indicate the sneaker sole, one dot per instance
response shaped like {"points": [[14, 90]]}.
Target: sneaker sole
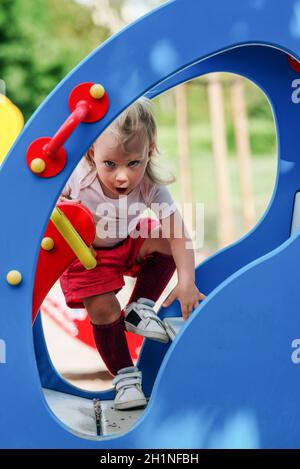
{"points": [[130, 405], [149, 335]]}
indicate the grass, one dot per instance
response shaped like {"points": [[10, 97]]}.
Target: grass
{"points": [[203, 181]]}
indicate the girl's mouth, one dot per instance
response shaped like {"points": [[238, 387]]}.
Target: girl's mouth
{"points": [[121, 190]]}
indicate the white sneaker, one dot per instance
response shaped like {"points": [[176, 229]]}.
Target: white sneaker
{"points": [[128, 384], [142, 320]]}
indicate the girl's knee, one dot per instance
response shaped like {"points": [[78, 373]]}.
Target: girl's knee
{"points": [[103, 309], [150, 245]]}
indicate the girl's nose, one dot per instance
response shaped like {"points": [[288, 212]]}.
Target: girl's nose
{"points": [[121, 178]]}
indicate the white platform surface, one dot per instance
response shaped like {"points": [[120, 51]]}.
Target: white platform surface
{"points": [[78, 414]]}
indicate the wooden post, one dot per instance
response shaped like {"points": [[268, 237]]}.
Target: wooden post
{"points": [[216, 106], [239, 111], [183, 142], [184, 150]]}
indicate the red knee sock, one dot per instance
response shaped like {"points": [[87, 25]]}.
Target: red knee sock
{"points": [[112, 345], [153, 277]]}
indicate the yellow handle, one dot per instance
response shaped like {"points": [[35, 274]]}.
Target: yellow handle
{"points": [[73, 239]]}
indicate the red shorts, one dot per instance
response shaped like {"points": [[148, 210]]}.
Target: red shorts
{"points": [[112, 264]]}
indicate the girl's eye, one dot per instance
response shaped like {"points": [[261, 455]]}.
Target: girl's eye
{"points": [[133, 163], [109, 164]]}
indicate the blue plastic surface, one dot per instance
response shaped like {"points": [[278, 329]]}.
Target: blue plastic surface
{"points": [[240, 385]]}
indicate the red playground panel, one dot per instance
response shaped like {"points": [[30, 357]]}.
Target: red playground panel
{"points": [[51, 264]]}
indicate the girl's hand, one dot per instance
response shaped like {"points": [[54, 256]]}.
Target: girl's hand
{"points": [[188, 296], [66, 199]]}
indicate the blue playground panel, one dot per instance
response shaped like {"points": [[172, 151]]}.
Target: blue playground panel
{"points": [[240, 386]]}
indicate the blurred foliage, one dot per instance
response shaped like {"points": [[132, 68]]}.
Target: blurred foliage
{"points": [[260, 119], [41, 41]]}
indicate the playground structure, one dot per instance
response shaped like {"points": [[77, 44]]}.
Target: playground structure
{"points": [[236, 351], [11, 123]]}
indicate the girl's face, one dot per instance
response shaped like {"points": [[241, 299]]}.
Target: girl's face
{"points": [[120, 170]]}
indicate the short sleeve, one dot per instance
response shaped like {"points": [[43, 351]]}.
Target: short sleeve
{"points": [[66, 192], [72, 186], [161, 201]]}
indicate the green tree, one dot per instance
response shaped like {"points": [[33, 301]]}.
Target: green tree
{"points": [[40, 42]]}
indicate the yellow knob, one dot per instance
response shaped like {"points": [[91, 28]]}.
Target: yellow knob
{"points": [[14, 277], [47, 243], [97, 91], [37, 165]]}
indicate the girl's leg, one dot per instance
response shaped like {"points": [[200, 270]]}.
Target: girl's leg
{"points": [[157, 268], [109, 331]]}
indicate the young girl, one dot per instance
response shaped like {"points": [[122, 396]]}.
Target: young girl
{"points": [[116, 177]]}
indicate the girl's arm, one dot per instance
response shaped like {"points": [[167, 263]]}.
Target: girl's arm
{"points": [[181, 245]]}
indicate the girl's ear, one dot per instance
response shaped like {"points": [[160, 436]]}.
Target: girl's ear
{"points": [[91, 151], [90, 156], [151, 150]]}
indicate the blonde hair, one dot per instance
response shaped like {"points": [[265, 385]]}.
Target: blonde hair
{"points": [[138, 119]]}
